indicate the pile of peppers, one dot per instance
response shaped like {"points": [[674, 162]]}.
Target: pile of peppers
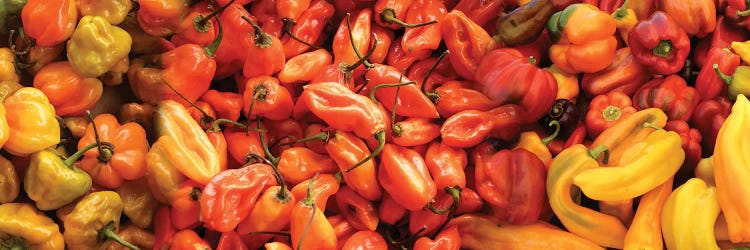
{"points": [[374, 124]]}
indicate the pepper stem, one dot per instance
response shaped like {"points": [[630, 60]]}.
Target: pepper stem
{"points": [[323, 136], [432, 95], [73, 158], [380, 136], [611, 113], [743, 12], [216, 128], [28, 42], [259, 93], [725, 78], [598, 150], [532, 60], [548, 139], [389, 16], [395, 127], [622, 12], [261, 135], [14, 243], [108, 233], [206, 119], [455, 193], [105, 151], [262, 39], [287, 30], [211, 48], [651, 125], [663, 49], [200, 22], [385, 85]]}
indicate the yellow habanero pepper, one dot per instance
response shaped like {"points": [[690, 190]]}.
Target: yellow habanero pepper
{"points": [[54, 183], [92, 221], [603, 229], [689, 216], [625, 20], [705, 170], [31, 122], [183, 144], [114, 11], [23, 227], [137, 236], [732, 170], [96, 46], [7, 88], [9, 183], [530, 141], [139, 204], [8, 66]]}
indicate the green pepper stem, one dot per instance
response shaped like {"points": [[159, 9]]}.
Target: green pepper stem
{"points": [[532, 60], [622, 12], [105, 152], [663, 49], [211, 48], [27, 41], [201, 23], [611, 113], [598, 150], [215, 126], [262, 39], [432, 95], [389, 16], [455, 193], [73, 158], [323, 136], [312, 215], [385, 85], [108, 233], [259, 93], [395, 127], [725, 78], [206, 119], [380, 136], [743, 12], [550, 138], [651, 125], [287, 30], [269, 155], [309, 199]]}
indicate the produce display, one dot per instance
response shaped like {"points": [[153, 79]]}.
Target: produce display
{"points": [[374, 124]]}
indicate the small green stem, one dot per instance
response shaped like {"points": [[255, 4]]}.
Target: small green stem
{"points": [[743, 12], [651, 125], [73, 158], [663, 49], [725, 78], [211, 48], [287, 30], [389, 16], [380, 136], [206, 117], [611, 113], [108, 233], [622, 11], [215, 126], [386, 85], [595, 152], [429, 73], [323, 136], [269, 155], [532, 60], [550, 138], [262, 39]]}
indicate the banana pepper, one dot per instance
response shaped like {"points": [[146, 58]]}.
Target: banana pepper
{"points": [[8, 64], [92, 221], [693, 203], [24, 227], [31, 121], [732, 170], [9, 182], [96, 46], [625, 20], [54, 183]]}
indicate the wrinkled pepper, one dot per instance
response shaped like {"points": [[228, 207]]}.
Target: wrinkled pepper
{"points": [[659, 44], [670, 94], [448, 239], [114, 11], [70, 92], [405, 176], [271, 212], [31, 122], [62, 181], [457, 96], [471, 127], [606, 110], [92, 221], [584, 38], [49, 22], [467, 42], [423, 36], [308, 29], [409, 102], [524, 24], [698, 202], [22, 227], [8, 66], [96, 46], [9, 182]]}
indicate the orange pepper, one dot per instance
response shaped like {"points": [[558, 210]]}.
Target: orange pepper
{"points": [[297, 164], [31, 122], [49, 22], [585, 39], [68, 91], [645, 231]]}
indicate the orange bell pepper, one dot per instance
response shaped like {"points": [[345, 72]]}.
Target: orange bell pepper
{"points": [[67, 90], [585, 39]]}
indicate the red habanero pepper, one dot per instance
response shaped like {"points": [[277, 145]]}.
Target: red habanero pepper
{"points": [[671, 94], [198, 27], [659, 44], [188, 239], [185, 208], [265, 56], [469, 128], [446, 165], [308, 28], [343, 229], [265, 97], [364, 240], [481, 12], [432, 72], [448, 239], [708, 117], [49, 22], [415, 132], [428, 221], [159, 17], [231, 241], [518, 81], [202, 113], [467, 41], [290, 10], [304, 67], [605, 110], [696, 18], [352, 38], [404, 175], [471, 202], [227, 105], [384, 38], [390, 13], [231, 53], [297, 164], [314, 129], [347, 150], [390, 212], [324, 186], [163, 229], [427, 37], [457, 96], [709, 84], [241, 143], [361, 213], [691, 144], [397, 57], [309, 226], [625, 74], [410, 101], [228, 197]]}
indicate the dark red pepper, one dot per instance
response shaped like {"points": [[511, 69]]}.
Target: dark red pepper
{"points": [[660, 44]]}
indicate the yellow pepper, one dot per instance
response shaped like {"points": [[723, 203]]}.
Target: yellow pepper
{"points": [[625, 20], [96, 46], [705, 170], [31, 122], [732, 170], [742, 49], [567, 84], [139, 204], [603, 229], [7, 88], [689, 215], [8, 66], [645, 231], [23, 227], [9, 183], [530, 141], [645, 166], [114, 11], [738, 83], [54, 183], [113, 77], [92, 221]]}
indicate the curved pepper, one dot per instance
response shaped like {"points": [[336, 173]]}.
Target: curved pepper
{"points": [[424, 34], [21, 225], [693, 202], [297, 164], [139, 205], [731, 168], [446, 165], [70, 92], [410, 101], [49, 22], [585, 39], [404, 175], [738, 83], [625, 20], [645, 230], [96, 46], [309, 28], [93, 220], [346, 150], [711, 82], [524, 24], [31, 122], [467, 41], [309, 226], [52, 182], [659, 44], [601, 228], [670, 94], [305, 67]]}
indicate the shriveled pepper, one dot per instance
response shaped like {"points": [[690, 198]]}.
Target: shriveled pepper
{"points": [[659, 44], [696, 18], [22, 226], [96, 46], [737, 83], [605, 110], [584, 38], [31, 122], [698, 202], [645, 230], [49, 22], [70, 92], [92, 221], [524, 24], [404, 175], [625, 74], [467, 41], [9, 182], [710, 83], [670, 94]]}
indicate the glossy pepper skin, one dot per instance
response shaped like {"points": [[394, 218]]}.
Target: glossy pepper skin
{"points": [[696, 18], [404, 175], [708, 117], [691, 144], [161, 18], [625, 74], [137, 236], [625, 19], [8, 66], [267, 98], [35, 230], [645, 230], [446, 164], [516, 81], [697, 201], [467, 41], [271, 212], [738, 83], [659, 44], [709, 83], [309, 28], [323, 187], [448, 239], [361, 213], [423, 38], [670, 94], [410, 101], [584, 38], [96, 46], [346, 150], [605, 110], [49, 22], [469, 128], [308, 221], [70, 92], [63, 182], [9, 182], [31, 122], [92, 220], [730, 170]]}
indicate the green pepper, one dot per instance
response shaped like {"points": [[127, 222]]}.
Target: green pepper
{"points": [[524, 24], [9, 8], [738, 83], [96, 46], [92, 221], [54, 183]]}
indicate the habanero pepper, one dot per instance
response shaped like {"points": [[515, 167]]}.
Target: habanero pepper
{"points": [[69, 92], [446, 165], [297, 164], [114, 11], [696, 18], [708, 117], [139, 205], [49, 22], [480, 12], [469, 128], [428, 221], [161, 18], [362, 214], [383, 40], [8, 66], [404, 175], [271, 212], [231, 240], [265, 97], [197, 27], [10, 184], [467, 41], [96, 46], [347, 150], [365, 239], [584, 38], [23, 226], [407, 100], [352, 38], [188, 239], [92, 221], [63, 182], [304, 67], [227, 105], [447, 239], [308, 29], [607, 109], [670, 94], [625, 74], [397, 57], [323, 187], [710, 83], [433, 71], [241, 143], [163, 229], [659, 44], [265, 56], [457, 96], [231, 53], [309, 226], [426, 37], [185, 206], [31, 122], [390, 212]]}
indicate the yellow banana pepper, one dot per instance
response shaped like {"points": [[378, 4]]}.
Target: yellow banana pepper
{"points": [[8, 66], [625, 20], [645, 231], [23, 227], [603, 229], [31, 122], [732, 170], [114, 11], [9, 182], [646, 165], [705, 170], [688, 218], [96, 46], [92, 221]]}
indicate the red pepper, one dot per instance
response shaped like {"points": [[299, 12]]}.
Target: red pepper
{"points": [[726, 33], [446, 165], [390, 211], [361, 213], [404, 175], [265, 97], [428, 221], [265, 56], [383, 44], [308, 28], [364, 240], [606, 110], [230, 56], [659, 44], [482, 12], [467, 42], [349, 41], [226, 104], [202, 113], [241, 143], [324, 186], [297, 164], [342, 228], [284, 132], [231, 241], [305, 67], [625, 74], [309, 226], [457, 96], [708, 117], [228, 197], [671, 94], [426, 37], [185, 212], [448, 239], [49, 22], [415, 132], [198, 27], [291, 9], [188, 239], [471, 202], [697, 17], [398, 58], [469, 128], [691, 144], [163, 229], [708, 83], [507, 76], [409, 102], [436, 70]]}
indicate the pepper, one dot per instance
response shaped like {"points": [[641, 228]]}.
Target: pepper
{"points": [[31, 122], [188, 239], [567, 84], [625, 20], [226, 104], [390, 212], [429, 220], [23, 226], [730, 166], [691, 144], [324, 186], [163, 230], [469, 128], [241, 143], [231, 240], [198, 27], [404, 175], [9, 181], [366, 239], [309, 226], [517, 81], [139, 205], [347, 150], [603, 229], [352, 39], [137, 236], [480, 12], [705, 171], [480, 232], [425, 35], [8, 66], [625, 74], [524, 24], [398, 58], [114, 11], [530, 141], [456, 96], [92, 221], [96, 46], [161, 18], [708, 117], [710, 83], [271, 212], [49, 22], [659, 44], [607, 109], [697, 201], [467, 41], [304, 67], [231, 53], [696, 18], [447, 239], [297, 164], [182, 144], [361, 213], [645, 230], [407, 100], [563, 112], [586, 45], [308, 29], [737, 82], [264, 96], [67, 90], [63, 182], [446, 165], [277, 246], [228, 198], [742, 49], [670, 94], [185, 206], [139, 113], [434, 72], [264, 57]]}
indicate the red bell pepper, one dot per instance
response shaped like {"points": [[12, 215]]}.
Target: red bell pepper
{"points": [[625, 74], [659, 44], [671, 94], [708, 117], [691, 144], [709, 84], [606, 110]]}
